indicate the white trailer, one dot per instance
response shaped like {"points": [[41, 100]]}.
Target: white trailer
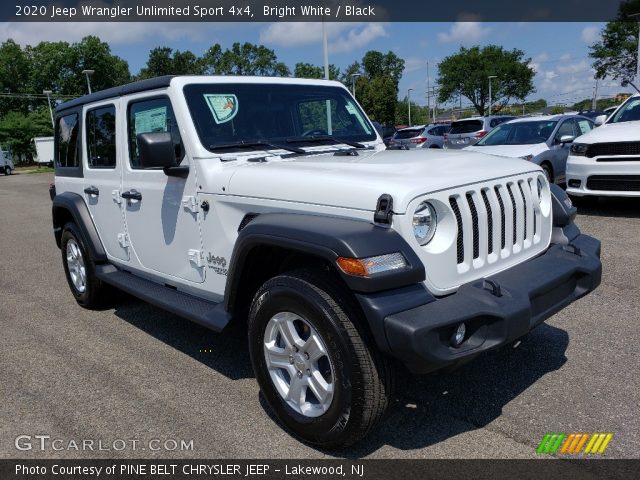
{"points": [[44, 150]]}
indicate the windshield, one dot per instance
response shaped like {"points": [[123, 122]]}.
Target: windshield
{"points": [[629, 112], [226, 114], [519, 133]]}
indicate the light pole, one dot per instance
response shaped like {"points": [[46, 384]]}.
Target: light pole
{"points": [[47, 93], [354, 77], [409, 104], [88, 74], [490, 96]]}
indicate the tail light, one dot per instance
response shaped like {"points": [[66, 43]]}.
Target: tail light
{"points": [[481, 133], [418, 140]]}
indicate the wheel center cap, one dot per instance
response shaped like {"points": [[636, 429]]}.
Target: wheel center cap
{"points": [[299, 363]]}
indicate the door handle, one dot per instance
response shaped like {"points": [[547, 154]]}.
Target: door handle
{"points": [[132, 195], [92, 191]]}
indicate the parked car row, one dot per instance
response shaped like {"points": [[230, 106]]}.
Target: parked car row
{"points": [[592, 162]]}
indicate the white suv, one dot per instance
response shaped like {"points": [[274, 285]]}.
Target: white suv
{"points": [[272, 202], [606, 161]]}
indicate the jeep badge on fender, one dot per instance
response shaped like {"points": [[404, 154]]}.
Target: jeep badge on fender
{"points": [[272, 202]]}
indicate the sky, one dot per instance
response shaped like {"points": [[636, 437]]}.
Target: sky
{"points": [[558, 51]]}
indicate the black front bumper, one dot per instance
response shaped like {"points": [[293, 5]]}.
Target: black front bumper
{"points": [[496, 310]]}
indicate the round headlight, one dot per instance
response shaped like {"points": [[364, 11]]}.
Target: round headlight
{"points": [[424, 223]]}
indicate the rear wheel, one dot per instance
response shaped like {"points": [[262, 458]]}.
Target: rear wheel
{"points": [[7, 170], [316, 369], [79, 269]]}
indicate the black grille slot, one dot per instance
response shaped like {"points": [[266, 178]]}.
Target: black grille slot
{"points": [[515, 218], [616, 148], [618, 159], [502, 218], [524, 199], [474, 222], [629, 183], [456, 211], [487, 205]]}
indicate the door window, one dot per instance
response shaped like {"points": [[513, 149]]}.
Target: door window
{"points": [[153, 115], [565, 129], [101, 137]]}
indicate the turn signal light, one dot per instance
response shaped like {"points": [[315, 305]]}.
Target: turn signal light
{"points": [[364, 267]]}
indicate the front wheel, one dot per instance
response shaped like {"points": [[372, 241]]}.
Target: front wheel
{"points": [[7, 170], [316, 369]]}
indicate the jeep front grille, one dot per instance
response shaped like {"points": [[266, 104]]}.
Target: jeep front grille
{"points": [[505, 215]]}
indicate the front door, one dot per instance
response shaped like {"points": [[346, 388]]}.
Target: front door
{"points": [[160, 211], [104, 157]]}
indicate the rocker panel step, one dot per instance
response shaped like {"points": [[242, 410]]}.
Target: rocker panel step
{"points": [[208, 314]]}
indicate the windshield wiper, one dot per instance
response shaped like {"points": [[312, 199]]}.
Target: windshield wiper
{"points": [[324, 138], [255, 143]]}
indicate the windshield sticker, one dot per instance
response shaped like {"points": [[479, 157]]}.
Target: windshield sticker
{"points": [[223, 106], [154, 120], [584, 126]]}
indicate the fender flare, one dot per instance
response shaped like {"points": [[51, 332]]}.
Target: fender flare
{"points": [[327, 238], [75, 205]]}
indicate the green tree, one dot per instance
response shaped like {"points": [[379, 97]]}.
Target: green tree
{"points": [[378, 98], [378, 64], [616, 53], [467, 72], [17, 131], [308, 70], [243, 59], [166, 61], [58, 66], [14, 76]]}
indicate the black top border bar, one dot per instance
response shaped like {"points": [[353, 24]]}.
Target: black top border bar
{"points": [[311, 10]]}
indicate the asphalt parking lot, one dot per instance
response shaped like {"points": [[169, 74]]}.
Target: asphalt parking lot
{"points": [[132, 371]]}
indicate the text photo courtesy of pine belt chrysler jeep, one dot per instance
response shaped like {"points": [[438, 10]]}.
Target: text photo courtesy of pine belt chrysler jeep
{"points": [[273, 202]]}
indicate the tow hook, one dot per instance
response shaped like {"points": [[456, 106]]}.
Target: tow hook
{"points": [[492, 287]]}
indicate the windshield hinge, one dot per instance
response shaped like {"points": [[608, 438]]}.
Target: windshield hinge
{"points": [[384, 209]]}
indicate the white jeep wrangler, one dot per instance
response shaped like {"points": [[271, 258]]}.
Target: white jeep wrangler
{"points": [[272, 201]]}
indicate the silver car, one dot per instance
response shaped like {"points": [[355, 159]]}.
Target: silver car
{"points": [[544, 140], [469, 130], [420, 136]]}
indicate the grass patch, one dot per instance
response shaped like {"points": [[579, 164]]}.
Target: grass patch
{"points": [[37, 170]]}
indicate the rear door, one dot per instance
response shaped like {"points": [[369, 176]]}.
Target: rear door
{"points": [[103, 158]]}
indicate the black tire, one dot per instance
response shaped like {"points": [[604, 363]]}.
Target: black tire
{"points": [[95, 291], [547, 172], [7, 170], [363, 382]]}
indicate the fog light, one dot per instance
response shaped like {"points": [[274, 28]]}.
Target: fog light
{"points": [[574, 183], [458, 336]]}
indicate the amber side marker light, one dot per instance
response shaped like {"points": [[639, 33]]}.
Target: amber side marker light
{"points": [[365, 267]]}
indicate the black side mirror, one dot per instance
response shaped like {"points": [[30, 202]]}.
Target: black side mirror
{"points": [[156, 150]]}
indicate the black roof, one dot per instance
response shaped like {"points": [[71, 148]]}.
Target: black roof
{"points": [[134, 87]]}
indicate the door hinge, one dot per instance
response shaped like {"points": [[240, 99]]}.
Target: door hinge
{"points": [[116, 196], [190, 203], [197, 258], [123, 239]]}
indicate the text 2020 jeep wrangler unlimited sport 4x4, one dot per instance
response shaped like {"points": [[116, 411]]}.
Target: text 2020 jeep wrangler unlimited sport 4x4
{"points": [[273, 201]]}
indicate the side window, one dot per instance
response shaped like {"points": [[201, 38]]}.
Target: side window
{"points": [[101, 137], [67, 151], [565, 129], [153, 115], [584, 126]]}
